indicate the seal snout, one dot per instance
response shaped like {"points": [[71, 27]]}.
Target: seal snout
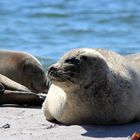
{"points": [[52, 69]]}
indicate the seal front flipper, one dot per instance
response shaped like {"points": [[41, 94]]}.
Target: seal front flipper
{"points": [[21, 98], [15, 93], [12, 85]]}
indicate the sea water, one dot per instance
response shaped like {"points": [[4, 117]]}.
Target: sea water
{"points": [[49, 28]]}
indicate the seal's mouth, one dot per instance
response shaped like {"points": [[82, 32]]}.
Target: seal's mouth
{"points": [[59, 75], [56, 76]]}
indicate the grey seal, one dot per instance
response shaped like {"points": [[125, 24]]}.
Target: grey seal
{"points": [[23, 68], [93, 86], [21, 76]]}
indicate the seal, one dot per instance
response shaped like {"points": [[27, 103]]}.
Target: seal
{"points": [[23, 68], [93, 86], [12, 92], [21, 74]]}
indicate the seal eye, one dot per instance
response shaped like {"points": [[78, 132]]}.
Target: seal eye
{"points": [[72, 60], [83, 57]]}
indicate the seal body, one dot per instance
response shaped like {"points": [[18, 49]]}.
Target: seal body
{"points": [[93, 86], [24, 69], [21, 78]]}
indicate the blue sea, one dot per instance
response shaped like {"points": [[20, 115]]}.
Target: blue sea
{"points": [[49, 28]]}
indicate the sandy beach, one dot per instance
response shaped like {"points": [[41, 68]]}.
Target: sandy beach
{"points": [[19, 123]]}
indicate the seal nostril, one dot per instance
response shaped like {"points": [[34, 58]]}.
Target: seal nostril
{"points": [[51, 69]]}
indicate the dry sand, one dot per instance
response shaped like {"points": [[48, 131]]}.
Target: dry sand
{"points": [[18, 123]]}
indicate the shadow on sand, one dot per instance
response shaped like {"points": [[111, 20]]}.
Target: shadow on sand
{"points": [[111, 130]]}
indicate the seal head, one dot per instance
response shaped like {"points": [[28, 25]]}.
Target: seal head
{"points": [[23, 68], [78, 68], [33, 75]]}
